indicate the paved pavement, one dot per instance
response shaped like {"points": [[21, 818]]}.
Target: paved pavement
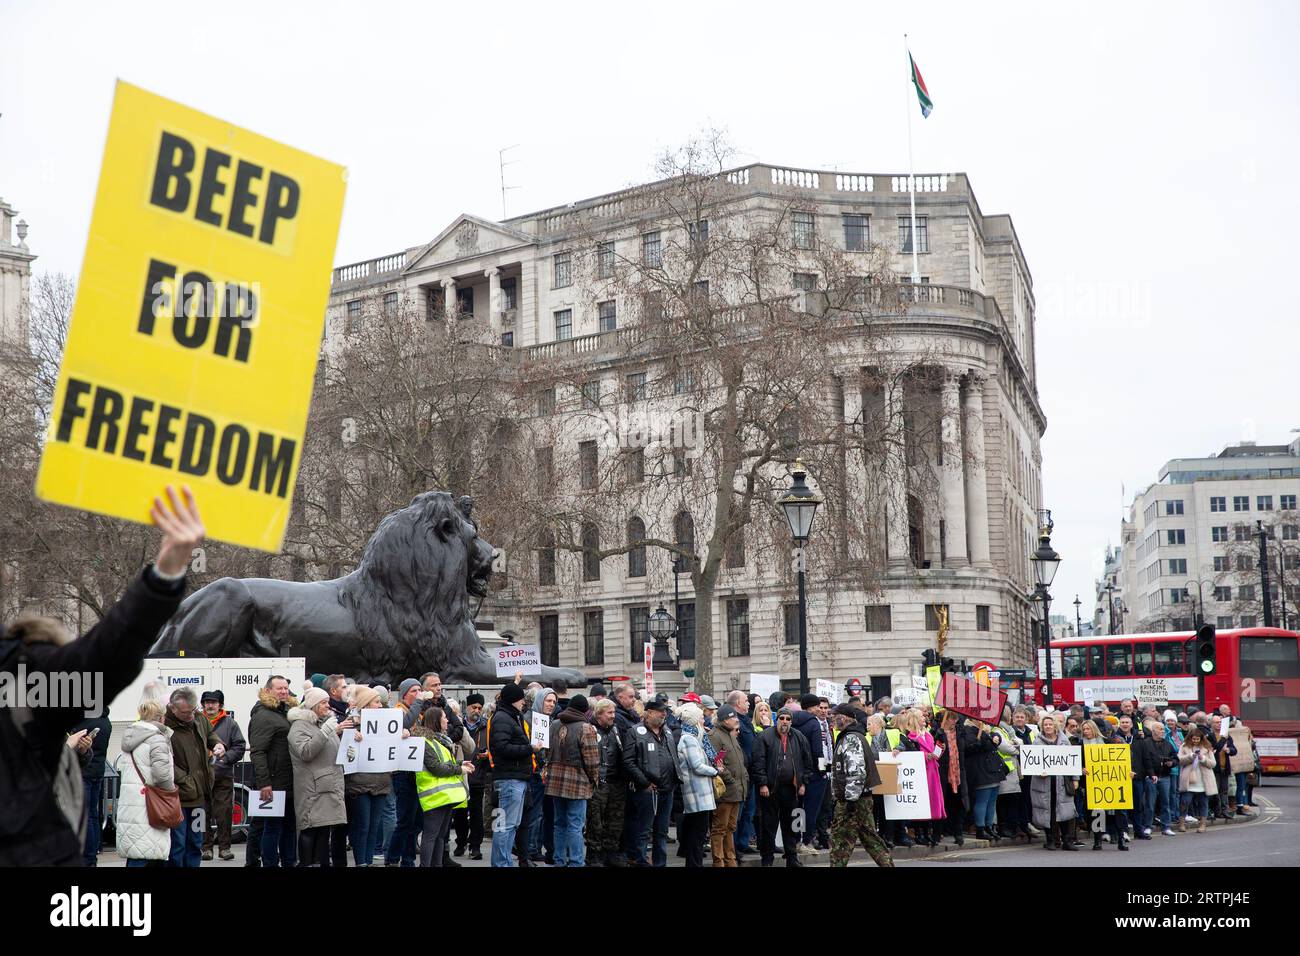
{"points": [[1271, 838]]}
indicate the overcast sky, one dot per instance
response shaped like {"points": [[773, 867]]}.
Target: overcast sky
{"points": [[1144, 151]]}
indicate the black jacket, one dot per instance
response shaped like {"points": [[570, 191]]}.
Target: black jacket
{"points": [[1154, 758], [92, 768], [808, 725], [482, 775], [510, 755], [33, 831], [767, 756], [983, 764], [268, 742], [613, 768], [651, 758]]}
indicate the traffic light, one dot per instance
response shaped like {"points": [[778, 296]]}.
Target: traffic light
{"points": [[946, 665], [1205, 663], [930, 656]]}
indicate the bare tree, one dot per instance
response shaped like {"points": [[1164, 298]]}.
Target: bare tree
{"points": [[1240, 581]]}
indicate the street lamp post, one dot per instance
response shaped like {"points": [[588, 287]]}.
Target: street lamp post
{"points": [[1110, 604], [800, 506], [1078, 621], [1046, 561], [1263, 535], [662, 626], [1198, 611]]}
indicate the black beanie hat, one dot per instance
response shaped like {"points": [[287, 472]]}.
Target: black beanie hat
{"points": [[511, 692], [473, 699], [578, 704], [809, 701], [216, 695]]}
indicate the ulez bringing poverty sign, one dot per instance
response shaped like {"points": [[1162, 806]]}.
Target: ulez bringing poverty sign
{"points": [[197, 325]]}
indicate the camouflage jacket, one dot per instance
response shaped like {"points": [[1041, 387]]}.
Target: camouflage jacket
{"points": [[854, 769]]}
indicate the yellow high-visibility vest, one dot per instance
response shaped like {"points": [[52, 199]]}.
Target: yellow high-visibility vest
{"points": [[437, 792]]}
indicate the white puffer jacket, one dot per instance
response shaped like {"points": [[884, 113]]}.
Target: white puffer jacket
{"points": [[151, 746]]}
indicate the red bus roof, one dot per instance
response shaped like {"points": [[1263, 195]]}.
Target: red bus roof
{"points": [[1172, 636]]}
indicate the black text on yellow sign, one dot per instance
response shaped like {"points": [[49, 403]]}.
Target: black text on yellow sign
{"points": [[197, 324], [1110, 776]]}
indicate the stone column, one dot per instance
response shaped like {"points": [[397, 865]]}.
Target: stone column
{"points": [[951, 476], [494, 299], [448, 299], [900, 558], [977, 492]]}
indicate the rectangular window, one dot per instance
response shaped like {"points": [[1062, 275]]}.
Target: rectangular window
{"points": [[1241, 533], [879, 617], [700, 293], [1263, 502], [805, 230], [636, 390], [593, 636], [546, 402], [608, 313], [1095, 657], [354, 317], [1223, 622], [1072, 661], [545, 468], [1119, 660], [905, 234], [636, 470], [932, 616], [684, 380], [509, 294], [390, 305], [738, 627], [1177, 595], [1241, 502], [604, 260], [1219, 534], [638, 623], [1223, 593], [683, 464], [981, 617], [857, 233], [1248, 620], [805, 282], [561, 270], [508, 340], [699, 232], [1142, 659], [1219, 504], [464, 302], [1290, 532], [1288, 503], [546, 564], [1244, 563], [548, 637], [1176, 536], [1246, 592], [587, 463], [1177, 566], [590, 553], [652, 254], [686, 630], [735, 555], [1169, 659], [563, 325], [791, 612], [1173, 507], [590, 392]]}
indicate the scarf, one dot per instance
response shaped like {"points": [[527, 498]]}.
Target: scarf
{"points": [[954, 761]]}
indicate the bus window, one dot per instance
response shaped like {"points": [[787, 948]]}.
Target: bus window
{"points": [[1095, 655], [1119, 662], [1142, 660], [1269, 657], [1169, 659], [1074, 662]]}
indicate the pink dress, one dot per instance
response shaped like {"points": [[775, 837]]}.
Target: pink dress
{"points": [[926, 743]]}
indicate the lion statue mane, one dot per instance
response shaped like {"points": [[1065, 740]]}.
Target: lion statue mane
{"points": [[405, 610]]}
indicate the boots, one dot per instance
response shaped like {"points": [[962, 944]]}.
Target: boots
{"points": [[1232, 806], [1096, 841], [1201, 827]]}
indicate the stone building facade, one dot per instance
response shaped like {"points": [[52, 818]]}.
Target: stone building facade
{"points": [[974, 313], [15, 275]]}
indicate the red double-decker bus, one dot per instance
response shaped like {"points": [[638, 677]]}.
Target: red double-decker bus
{"points": [[1257, 675]]}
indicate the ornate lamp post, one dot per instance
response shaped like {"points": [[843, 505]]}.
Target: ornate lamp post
{"points": [[800, 506], [662, 626], [1045, 561]]}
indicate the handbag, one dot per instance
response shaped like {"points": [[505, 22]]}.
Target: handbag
{"points": [[162, 807]]}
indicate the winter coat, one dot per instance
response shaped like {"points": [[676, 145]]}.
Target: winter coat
{"points": [[1205, 766], [1040, 795], [268, 742], [925, 744], [733, 770], [854, 766], [767, 757], [92, 767], [318, 784], [963, 737], [808, 725], [696, 774], [1154, 758], [41, 789], [983, 764], [149, 744], [232, 738], [511, 755], [1011, 782], [574, 770], [482, 775], [651, 758], [192, 745], [746, 738], [612, 769]]}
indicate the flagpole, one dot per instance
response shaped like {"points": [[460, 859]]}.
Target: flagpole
{"points": [[911, 177]]}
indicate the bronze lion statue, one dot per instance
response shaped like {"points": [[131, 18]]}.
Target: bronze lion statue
{"points": [[404, 611]]}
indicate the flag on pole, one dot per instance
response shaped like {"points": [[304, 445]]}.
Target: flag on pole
{"points": [[922, 94]]}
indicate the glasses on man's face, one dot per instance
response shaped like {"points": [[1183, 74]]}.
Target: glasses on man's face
{"points": [[783, 720]]}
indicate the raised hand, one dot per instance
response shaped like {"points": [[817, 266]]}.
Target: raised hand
{"points": [[182, 530]]}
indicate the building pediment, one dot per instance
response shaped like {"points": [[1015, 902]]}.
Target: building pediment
{"points": [[467, 236]]}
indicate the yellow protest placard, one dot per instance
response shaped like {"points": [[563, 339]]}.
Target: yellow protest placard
{"points": [[1110, 777], [933, 678], [197, 324]]}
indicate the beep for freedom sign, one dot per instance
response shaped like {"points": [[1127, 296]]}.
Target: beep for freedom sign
{"points": [[197, 324]]}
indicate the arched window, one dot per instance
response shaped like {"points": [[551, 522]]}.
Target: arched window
{"points": [[684, 535], [636, 552], [590, 552]]}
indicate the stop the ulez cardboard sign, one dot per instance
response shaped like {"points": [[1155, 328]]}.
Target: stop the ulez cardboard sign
{"points": [[197, 325]]}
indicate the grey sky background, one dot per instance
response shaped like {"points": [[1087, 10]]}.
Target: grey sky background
{"points": [[1143, 150]]}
